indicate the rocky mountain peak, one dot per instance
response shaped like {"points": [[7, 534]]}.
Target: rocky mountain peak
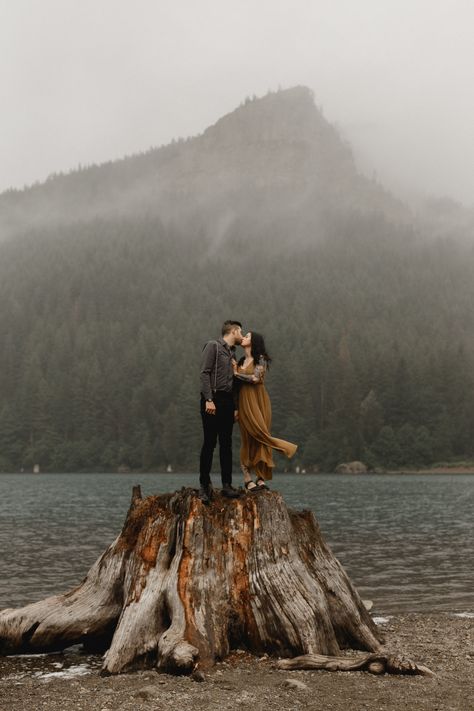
{"points": [[271, 158]]}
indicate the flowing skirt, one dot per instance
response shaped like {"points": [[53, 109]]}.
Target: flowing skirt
{"points": [[255, 420]]}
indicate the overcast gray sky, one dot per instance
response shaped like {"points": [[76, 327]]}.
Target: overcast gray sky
{"points": [[91, 80]]}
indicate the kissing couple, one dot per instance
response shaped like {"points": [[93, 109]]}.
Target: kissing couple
{"points": [[235, 391]]}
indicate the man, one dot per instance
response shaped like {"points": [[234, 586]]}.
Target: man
{"points": [[217, 408]]}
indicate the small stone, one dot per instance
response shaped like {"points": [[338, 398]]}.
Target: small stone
{"points": [[197, 675], [244, 698], [376, 668], [148, 693], [295, 685]]}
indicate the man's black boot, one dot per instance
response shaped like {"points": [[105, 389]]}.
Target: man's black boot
{"points": [[229, 492], [205, 494]]}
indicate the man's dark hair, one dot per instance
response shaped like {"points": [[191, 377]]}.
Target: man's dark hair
{"points": [[227, 326]]}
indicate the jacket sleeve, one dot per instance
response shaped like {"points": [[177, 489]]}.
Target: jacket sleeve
{"points": [[208, 360], [245, 377]]}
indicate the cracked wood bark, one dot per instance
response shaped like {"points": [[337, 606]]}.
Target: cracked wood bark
{"points": [[184, 583]]}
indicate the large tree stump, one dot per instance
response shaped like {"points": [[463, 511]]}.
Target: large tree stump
{"points": [[183, 584]]}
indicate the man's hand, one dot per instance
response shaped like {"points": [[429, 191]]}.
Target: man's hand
{"points": [[210, 408], [236, 415]]}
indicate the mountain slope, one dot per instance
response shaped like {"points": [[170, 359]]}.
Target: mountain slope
{"points": [[272, 157], [111, 279]]}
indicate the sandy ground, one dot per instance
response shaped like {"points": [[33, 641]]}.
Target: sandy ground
{"points": [[70, 680]]}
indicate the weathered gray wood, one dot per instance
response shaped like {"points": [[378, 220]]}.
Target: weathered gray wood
{"points": [[184, 583], [374, 663]]}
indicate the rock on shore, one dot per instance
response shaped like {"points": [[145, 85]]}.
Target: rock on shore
{"points": [[351, 468]]}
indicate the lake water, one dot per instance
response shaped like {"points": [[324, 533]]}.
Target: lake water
{"points": [[407, 542]]}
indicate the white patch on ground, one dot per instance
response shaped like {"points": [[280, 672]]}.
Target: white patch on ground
{"points": [[463, 614], [69, 673], [26, 656], [382, 620]]}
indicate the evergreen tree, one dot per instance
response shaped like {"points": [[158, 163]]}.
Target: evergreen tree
{"points": [[386, 449]]}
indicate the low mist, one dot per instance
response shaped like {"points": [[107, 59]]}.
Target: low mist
{"points": [[87, 83]]}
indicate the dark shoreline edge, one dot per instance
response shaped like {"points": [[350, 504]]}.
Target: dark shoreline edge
{"points": [[378, 472]]}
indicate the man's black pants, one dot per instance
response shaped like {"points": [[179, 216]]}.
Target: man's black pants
{"points": [[218, 426]]}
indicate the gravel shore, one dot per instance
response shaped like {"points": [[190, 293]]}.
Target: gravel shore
{"points": [[70, 681]]}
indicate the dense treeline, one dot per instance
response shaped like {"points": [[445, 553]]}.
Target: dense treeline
{"points": [[102, 325], [113, 277]]}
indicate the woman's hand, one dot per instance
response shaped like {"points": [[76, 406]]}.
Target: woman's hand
{"points": [[234, 365]]}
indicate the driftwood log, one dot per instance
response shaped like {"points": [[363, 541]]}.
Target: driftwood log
{"points": [[377, 663], [184, 583]]}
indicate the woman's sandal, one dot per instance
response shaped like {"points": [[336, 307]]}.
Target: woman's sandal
{"points": [[251, 489], [261, 485]]}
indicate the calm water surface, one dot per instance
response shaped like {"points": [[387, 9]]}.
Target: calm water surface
{"points": [[407, 542]]}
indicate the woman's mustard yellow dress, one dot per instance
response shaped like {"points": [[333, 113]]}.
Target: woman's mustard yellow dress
{"points": [[255, 421]]}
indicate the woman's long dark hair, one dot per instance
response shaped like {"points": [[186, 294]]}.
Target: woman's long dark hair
{"points": [[257, 349]]}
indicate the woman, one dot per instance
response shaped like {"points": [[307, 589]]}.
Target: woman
{"points": [[255, 415]]}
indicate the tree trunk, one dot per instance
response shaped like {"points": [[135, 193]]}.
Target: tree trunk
{"points": [[184, 583]]}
